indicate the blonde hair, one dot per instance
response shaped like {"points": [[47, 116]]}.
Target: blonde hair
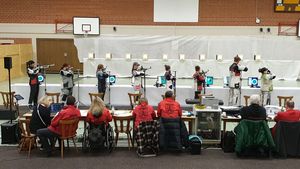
{"points": [[97, 107], [45, 100]]}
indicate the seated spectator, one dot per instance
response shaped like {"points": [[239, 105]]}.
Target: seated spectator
{"points": [[41, 115], [143, 112], [254, 111], [98, 113], [169, 108], [53, 131], [290, 115]]}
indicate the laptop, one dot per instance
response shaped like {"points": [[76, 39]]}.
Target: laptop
{"points": [[56, 107]]}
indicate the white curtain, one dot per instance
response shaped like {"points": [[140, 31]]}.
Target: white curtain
{"points": [[278, 53]]}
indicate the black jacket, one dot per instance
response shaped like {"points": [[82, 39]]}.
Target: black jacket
{"points": [[287, 139], [254, 112], [35, 122], [173, 134]]}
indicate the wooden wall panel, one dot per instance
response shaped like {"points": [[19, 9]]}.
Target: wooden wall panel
{"points": [[58, 52], [20, 54]]}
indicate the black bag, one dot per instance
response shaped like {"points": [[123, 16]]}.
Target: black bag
{"points": [[195, 143], [229, 142], [96, 138]]}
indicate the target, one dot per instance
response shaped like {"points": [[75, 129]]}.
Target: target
{"points": [[41, 78], [253, 81]]}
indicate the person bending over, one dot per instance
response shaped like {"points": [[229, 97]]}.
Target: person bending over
{"points": [[48, 134], [98, 113], [255, 111], [290, 115], [41, 115], [143, 112], [169, 108]]}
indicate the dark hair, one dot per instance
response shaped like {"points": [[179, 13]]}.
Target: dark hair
{"points": [[30, 62], [197, 68], [167, 67], [134, 64], [262, 70], [64, 65], [168, 94], [70, 100], [237, 58], [290, 104]]}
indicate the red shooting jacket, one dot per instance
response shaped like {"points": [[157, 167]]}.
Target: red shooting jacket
{"points": [[169, 108], [104, 118], [67, 113], [143, 112]]}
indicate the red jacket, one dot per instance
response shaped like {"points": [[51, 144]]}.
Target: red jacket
{"points": [[143, 112], [67, 113], [289, 116], [169, 108], [105, 117]]}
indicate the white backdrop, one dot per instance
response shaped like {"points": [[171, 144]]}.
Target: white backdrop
{"points": [[282, 69], [277, 52]]}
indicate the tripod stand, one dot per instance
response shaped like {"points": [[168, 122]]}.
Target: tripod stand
{"points": [[44, 73], [144, 77], [78, 85], [174, 83], [109, 104]]}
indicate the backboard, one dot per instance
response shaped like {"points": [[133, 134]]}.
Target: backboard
{"points": [[86, 25]]}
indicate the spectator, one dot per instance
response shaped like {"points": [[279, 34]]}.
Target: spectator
{"points": [[97, 113], [290, 115], [143, 112], [41, 115], [254, 111], [169, 108], [53, 131]]}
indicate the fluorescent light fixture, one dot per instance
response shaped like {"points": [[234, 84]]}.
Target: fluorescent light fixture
{"points": [[257, 57], [128, 56], [202, 57], [219, 57], [108, 56], [145, 57], [165, 57], [181, 57], [91, 56]]}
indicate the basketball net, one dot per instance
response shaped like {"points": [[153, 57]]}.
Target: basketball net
{"points": [[85, 35]]}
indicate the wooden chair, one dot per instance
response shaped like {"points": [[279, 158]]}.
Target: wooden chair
{"points": [[94, 95], [54, 95], [6, 101], [246, 100], [68, 131], [134, 98], [284, 99], [27, 139], [121, 127]]}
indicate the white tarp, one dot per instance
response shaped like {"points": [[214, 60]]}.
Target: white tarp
{"points": [[280, 54]]}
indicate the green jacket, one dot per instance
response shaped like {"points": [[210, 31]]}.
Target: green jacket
{"points": [[253, 134]]}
